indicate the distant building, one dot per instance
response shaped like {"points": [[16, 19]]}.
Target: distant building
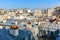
{"points": [[38, 13], [50, 12], [26, 10], [21, 11], [2, 11], [57, 11]]}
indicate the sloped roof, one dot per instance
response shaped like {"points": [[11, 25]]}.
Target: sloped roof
{"points": [[5, 35]]}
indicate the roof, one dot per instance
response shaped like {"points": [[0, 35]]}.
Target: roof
{"points": [[5, 35], [25, 33]]}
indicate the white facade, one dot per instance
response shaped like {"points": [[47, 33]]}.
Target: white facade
{"points": [[9, 17], [1, 27], [21, 17], [7, 27], [35, 31], [29, 11], [4, 21]]}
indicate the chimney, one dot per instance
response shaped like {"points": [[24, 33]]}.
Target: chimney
{"points": [[14, 30], [29, 25]]}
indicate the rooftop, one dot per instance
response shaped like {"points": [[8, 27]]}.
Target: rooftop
{"points": [[5, 35]]}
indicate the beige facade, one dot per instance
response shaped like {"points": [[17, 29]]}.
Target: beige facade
{"points": [[3, 17], [50, 11], [2, 11], [21, 11], [54, 17], [38, 13]]}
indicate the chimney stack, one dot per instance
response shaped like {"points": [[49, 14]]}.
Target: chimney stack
{"points": [[14, 30]]}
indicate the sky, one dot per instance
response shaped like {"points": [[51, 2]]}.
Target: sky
{"points": [[32, 4]]}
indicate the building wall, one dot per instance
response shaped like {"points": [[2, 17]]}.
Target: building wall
{"points": [[50, 11], [37, 12]]}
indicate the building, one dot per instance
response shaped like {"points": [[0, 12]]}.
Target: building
{"points": [[23, 35], [38, 13], [26, 10], [57, 11], [34, 29], [2, 11], [21, 11], [50, 12]]}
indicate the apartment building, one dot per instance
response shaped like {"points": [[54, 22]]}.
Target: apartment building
{"points": [[38, 12]]}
